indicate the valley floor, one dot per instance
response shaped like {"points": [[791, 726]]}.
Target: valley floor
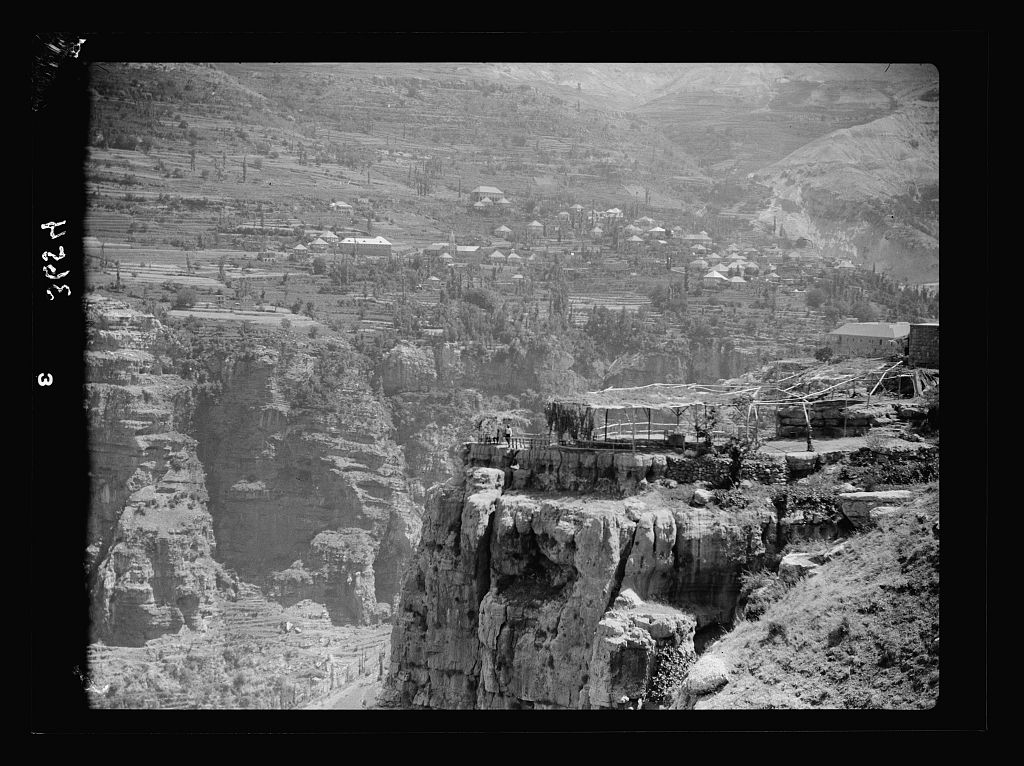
{"points": [[243, 660]]}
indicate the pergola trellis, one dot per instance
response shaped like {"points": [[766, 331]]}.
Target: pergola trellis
{"points": [[582, 415], [586, 417]]}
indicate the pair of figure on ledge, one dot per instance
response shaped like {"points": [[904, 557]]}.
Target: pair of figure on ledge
{"points": [[504, 434]]}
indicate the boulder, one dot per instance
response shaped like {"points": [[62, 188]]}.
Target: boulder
{"points": [[802, 461], [857, 506], [707, 675], [796, 566], [883, 511], [912, 412], [702, 497], [627, 599], [832, 553]]}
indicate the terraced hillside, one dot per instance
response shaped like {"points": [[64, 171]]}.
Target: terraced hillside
{"points": [[268, 430]]}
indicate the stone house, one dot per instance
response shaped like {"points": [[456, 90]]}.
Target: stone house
{"points": [[480, 192], [869, 339]]}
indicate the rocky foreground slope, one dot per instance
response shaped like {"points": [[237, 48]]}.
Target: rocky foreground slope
{"points": [[859, 629]]}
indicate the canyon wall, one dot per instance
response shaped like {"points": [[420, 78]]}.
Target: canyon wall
{"points": [[307, 487], [434, 392], [216, 458], [151, 547], [521, 599]]}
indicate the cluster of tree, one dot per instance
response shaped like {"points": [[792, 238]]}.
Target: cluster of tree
{"points": [[859, 293], [670, 298]]}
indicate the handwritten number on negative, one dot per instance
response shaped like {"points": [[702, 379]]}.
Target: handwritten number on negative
{"points": [[51, 273], [53, 225]]}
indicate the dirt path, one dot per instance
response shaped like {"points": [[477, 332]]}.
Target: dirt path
{"points": [[349, 697]]}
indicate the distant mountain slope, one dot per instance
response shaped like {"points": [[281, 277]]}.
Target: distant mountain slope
{"points": [[755, 114], [870, 192], [879, 158], [629, 86]]}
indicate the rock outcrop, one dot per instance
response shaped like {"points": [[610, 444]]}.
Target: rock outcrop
{"points": [[519, 600], [303, 468], [408, 368], [857, 506], [214, 460], [150, 535]]}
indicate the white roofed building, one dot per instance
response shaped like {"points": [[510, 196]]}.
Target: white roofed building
{"points": [[368, 246], [714, 279], [486, 191]]}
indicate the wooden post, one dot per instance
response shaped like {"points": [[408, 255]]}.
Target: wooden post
{"points": [[807, 419]]}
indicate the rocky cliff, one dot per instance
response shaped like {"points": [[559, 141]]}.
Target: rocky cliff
{"points": [[850, 626], [307, 487], [701, 363], [247, 457], [520, 599], [434, 392], [151, 546]]}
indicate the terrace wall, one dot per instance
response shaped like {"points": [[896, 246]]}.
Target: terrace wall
{"points": [[830, 418], [621, 473]]}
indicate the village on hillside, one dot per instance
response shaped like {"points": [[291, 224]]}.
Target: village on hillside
{"points": [[451, 386]]}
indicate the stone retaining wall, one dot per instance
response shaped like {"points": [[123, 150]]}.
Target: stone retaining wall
{"points": [[924, 346], [550, 469], [833, 418]]}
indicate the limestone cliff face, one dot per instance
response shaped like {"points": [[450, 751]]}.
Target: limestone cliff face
{"points": [[307, 487], [432, 392], [151, 548], [408, 368], [517, 599], [211, 461], [702, 363]]}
